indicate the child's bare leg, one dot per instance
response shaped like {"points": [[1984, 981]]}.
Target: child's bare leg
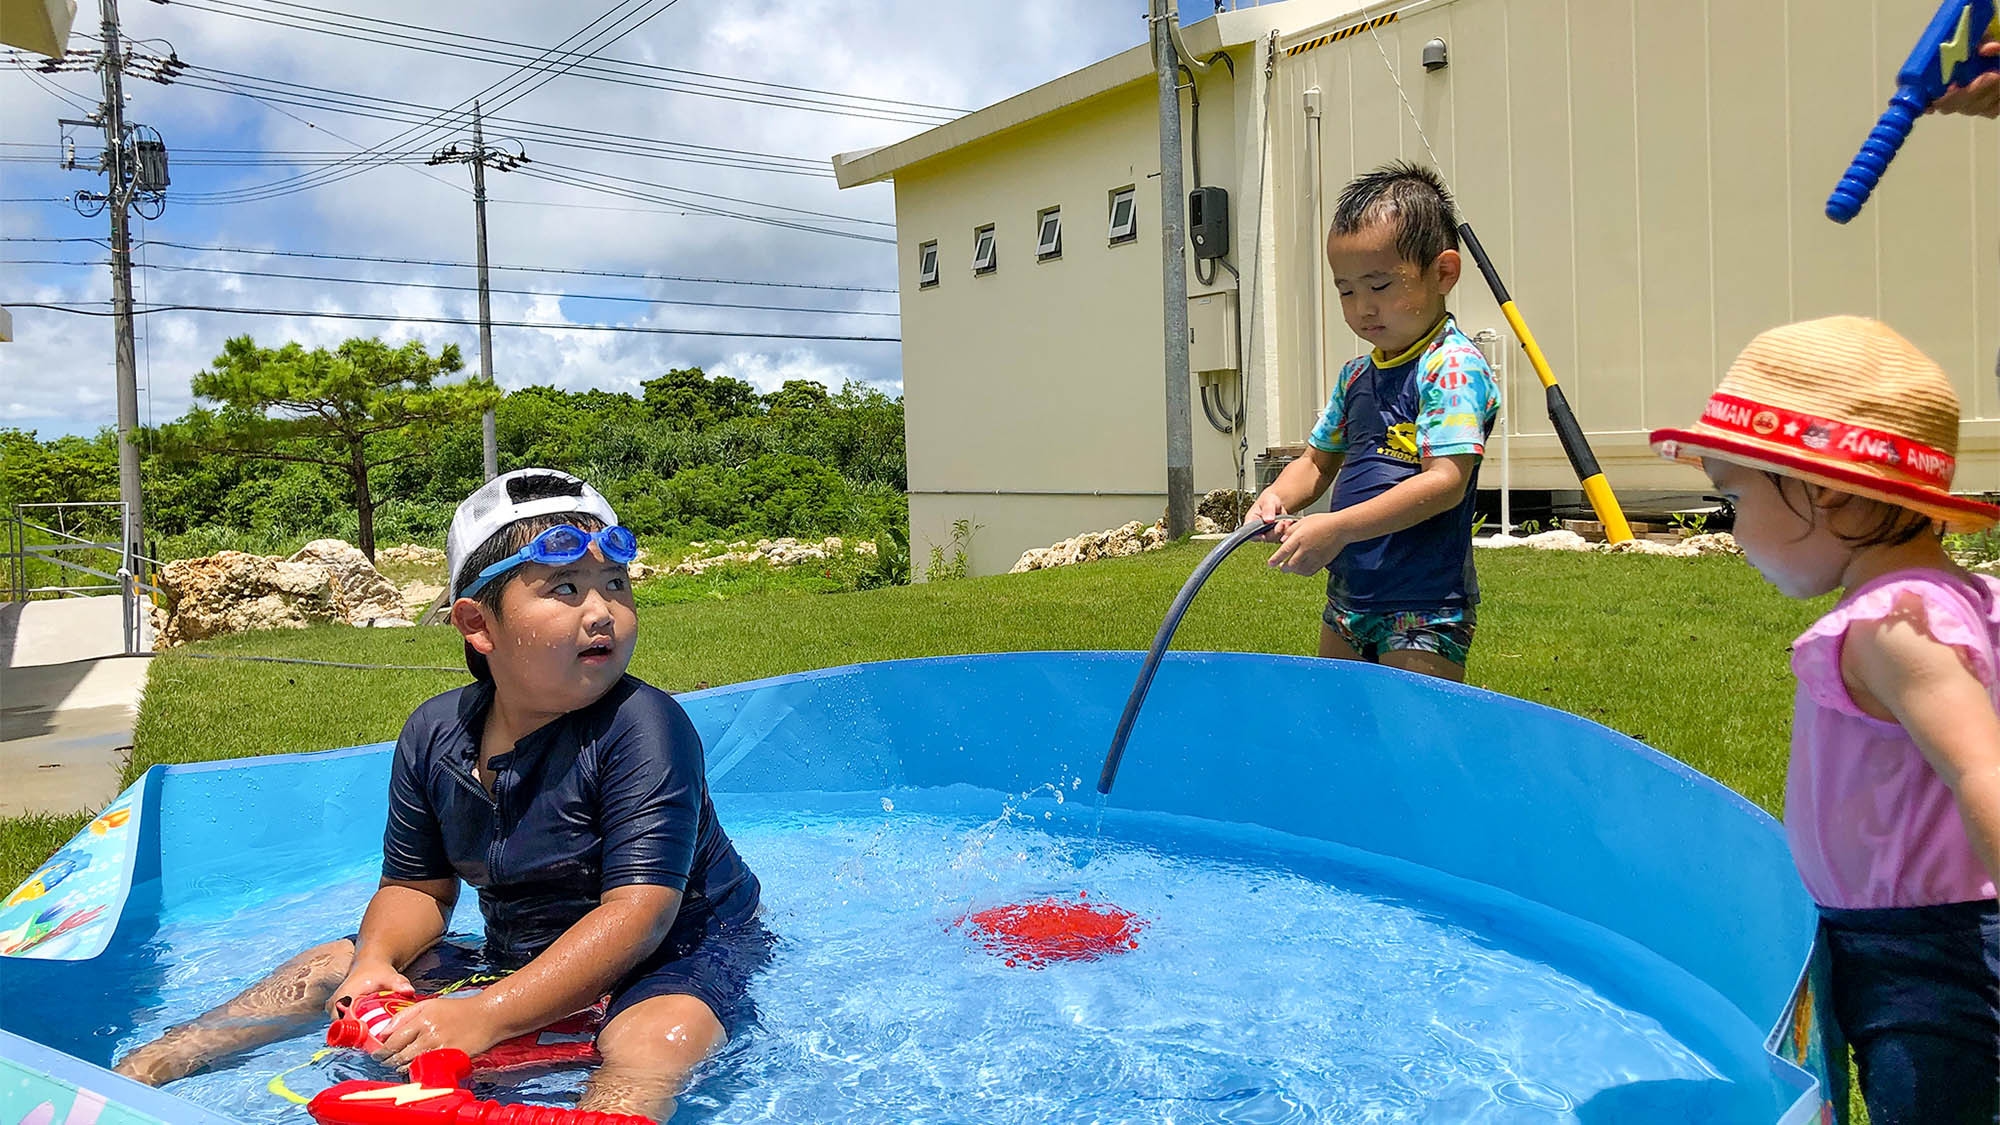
{"points": [[649, 1051], [263, 1013], [1333, 647], [1426, 662]]}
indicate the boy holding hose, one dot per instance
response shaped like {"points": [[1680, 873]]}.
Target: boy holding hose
{"points": [[1400, 441]]}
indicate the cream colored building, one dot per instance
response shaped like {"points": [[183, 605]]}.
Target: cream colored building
{"points": [[1649, 176]]}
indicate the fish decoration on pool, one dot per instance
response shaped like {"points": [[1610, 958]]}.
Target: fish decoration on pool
{"points": [[436, 1095], [68, 907], [47, 926], [49, 876], [1035, 934]]}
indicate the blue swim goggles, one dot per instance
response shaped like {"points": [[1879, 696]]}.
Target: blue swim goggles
{"points": [[560, 546]]}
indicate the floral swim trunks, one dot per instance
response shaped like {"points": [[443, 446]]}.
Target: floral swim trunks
{"points": [[1447, 632]]}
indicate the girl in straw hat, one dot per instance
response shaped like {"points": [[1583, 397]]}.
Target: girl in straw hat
{"points": [[1834, 439]]}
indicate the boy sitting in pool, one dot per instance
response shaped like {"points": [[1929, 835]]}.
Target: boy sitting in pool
{"points": [[1400, 441], [572, 796]]}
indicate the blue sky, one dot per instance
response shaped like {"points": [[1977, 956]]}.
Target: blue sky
{"points": [[57, 377]]}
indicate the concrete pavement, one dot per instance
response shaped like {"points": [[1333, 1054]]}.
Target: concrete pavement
{"points": [[68, 700]]}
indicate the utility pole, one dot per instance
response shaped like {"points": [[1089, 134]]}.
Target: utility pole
{"points": [[135, 164], [479, 156], [1173, 263]]}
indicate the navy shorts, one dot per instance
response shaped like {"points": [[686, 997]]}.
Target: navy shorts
{"points": [[707, 960], [1916, 992]]}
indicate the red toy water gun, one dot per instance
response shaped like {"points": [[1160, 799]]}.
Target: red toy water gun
{"points": [[436, 1095], [570, 1041], [1947, 55]]}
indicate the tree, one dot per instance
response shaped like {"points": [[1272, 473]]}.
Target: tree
{"points": [[796, 396], [688, 399], [358, 407]]}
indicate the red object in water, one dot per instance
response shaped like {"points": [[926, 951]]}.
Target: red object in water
{"points": [[570, 1041], [435, 1095], [1033, 934]]}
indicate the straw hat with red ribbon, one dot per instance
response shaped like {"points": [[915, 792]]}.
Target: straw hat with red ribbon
{"points": [[1844, 402]]}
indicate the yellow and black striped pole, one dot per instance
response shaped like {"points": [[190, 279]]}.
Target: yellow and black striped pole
{"points": [[1595, 488]]}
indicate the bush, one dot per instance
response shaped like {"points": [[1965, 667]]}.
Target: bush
{"points": [[695, 457]]}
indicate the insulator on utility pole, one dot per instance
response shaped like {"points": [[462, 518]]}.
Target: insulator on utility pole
{"points": [[480, 157]]}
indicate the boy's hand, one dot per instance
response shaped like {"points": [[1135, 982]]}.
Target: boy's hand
{"points": [[1310, 543], [1267, 508], [465, 1022], [1977, 98], [366, 978]]}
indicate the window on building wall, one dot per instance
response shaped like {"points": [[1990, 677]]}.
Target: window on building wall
{"points": [[1048, 244], [985, 254], [927, 265], [1124, 215]]}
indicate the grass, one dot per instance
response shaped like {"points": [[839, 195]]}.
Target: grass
{"points": [[1687, 655], [25, 841]]}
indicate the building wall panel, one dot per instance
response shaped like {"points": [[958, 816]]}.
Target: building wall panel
{"points": [[1650, 176]]}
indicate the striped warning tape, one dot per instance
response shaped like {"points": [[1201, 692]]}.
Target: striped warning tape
{"points": [[1337, 36]]}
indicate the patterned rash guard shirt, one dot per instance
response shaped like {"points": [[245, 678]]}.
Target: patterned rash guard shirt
{"points": [[1385, 415]]}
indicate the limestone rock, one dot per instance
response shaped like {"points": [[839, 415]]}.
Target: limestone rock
{"points": [[1679, 550], [234, 592], [1714, 543], [1500, 541], [785, 552], [411, 554], [360, 593], [1118, 542], [1558, 541], [1224, 506], [418, 597]]}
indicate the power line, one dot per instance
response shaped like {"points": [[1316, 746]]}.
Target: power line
{"points": [[349, 16], [320, 255], [537, 172], [625, 72], [458, 288], [350, 97], [320, 314], [519, 86], [402, 112], [591, 172], [48, 86]]}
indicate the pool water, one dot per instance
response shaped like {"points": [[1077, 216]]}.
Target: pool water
{"points": [[1276, 980]]}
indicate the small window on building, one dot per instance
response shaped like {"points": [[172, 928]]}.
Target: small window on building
{"points": [[985, 255], [1124, 215], [927, 268], [1049, 243]]}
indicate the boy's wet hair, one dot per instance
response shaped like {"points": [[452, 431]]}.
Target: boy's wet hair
{"points": [[1412, 197], [1893, 525], [511, 539]]}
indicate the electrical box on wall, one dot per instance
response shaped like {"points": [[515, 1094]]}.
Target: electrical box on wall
{"points": [[1208, 222], [1212, 332]]}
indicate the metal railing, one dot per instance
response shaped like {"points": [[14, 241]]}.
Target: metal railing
{"points": [[31, 541]]}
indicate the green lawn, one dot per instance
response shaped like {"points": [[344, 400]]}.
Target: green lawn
{"points": [[1687, 655]]}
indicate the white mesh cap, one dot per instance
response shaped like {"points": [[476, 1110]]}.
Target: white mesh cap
{"points": [[493, 506]]}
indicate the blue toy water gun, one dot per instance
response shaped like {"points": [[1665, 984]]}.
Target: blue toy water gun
{"points": [[1947, 55]]}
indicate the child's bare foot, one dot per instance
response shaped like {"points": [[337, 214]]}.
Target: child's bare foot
{"points": [[154, 1065]]}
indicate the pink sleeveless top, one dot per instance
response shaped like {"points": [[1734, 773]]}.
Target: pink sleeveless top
{"points": [[1871, 825]]}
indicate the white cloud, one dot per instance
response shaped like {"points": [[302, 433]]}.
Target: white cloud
{"points": [[767, 372], [57, 377]]}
